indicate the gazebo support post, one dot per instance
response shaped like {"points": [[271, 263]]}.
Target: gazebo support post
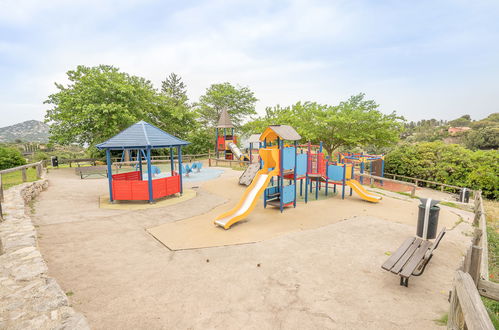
{"points": [[149, 174], [172, 161], [109, 174], [139, 159], [179, 155]]}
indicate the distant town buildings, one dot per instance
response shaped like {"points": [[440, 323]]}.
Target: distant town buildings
{"points": [[456, 130]]}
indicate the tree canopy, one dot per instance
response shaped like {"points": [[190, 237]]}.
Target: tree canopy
{"points": [[353, 123], [447, 163], [239, 101], [101, 101], [10, 157]]}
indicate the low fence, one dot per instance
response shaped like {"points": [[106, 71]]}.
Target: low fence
{"points": [[23, 169], [467, 310], [416, 181], [374, 177], [157, 159]]}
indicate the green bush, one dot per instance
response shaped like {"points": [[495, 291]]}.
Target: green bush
{"points": [[447, 163], [10, 158]]}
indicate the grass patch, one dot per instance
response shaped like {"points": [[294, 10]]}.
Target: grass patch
{"points": [[460, 220], [15, 178], [69, 293], [492, 307], [406, 194], [442, 321]]}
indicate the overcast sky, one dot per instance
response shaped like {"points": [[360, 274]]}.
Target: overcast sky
{"points": [[423, 59]]}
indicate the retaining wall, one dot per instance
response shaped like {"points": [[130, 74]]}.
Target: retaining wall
{"points": [[30, 299]]}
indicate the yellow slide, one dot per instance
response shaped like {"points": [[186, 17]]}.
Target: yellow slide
{"points": [[248, 201], [362, 192]]}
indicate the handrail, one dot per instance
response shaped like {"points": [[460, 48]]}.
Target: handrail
{"points": [[466, 306], [416, 181], [22, 167], [481, 222]]}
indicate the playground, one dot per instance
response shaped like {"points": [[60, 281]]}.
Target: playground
{"points": [[301, 246], [317, 266]]}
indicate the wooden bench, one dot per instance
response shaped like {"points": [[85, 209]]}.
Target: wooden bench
{"points": [[86, 171], [412, 257]]}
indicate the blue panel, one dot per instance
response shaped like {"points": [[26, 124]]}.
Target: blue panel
{"points": [[288, 194], [288, 158], [271, 191], [335, 172], [301, 164]]}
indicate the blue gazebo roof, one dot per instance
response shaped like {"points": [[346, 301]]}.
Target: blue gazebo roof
{"points": [[142, 135]]}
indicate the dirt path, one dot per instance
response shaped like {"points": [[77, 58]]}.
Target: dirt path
{"points": [[327, 277]]}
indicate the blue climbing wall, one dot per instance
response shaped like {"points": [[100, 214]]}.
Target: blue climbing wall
{"points": [[335, 172], [301, 165], [288, 194], [288, 158]]}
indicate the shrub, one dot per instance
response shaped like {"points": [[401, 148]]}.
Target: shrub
{"points": [[447, 163], [10, 158]]}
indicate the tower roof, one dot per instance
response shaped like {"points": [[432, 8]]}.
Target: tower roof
{"points": [[224, 120], [284, 132]]}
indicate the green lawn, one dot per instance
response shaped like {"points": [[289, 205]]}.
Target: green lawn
{"points": [[15, 178]]}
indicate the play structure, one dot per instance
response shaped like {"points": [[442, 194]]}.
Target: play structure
{"points": [[375, 164], [226, 140], [142, 138], [282, 166]]}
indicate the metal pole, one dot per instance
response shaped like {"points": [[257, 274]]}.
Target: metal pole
{"points": [[149, 174], [294, 173], [179, 154], [139, 159], [172, 161], [109, 174]]}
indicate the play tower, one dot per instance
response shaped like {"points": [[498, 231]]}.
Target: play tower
{"points": [[226, 140]]}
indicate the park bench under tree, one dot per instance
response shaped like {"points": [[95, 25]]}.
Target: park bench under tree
{"points": [[412, 257]]}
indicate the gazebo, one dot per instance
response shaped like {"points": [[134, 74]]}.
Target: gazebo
{"points": [[143, 137]]}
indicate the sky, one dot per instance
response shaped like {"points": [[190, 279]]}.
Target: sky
{"points": [[422, 59]]}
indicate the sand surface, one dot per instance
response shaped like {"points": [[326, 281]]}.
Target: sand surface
{"points": [[315, 267]]}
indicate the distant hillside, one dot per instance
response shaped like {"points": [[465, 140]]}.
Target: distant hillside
{"points": [[28, 131]]}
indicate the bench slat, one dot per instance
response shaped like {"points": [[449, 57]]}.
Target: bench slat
{"points": [[415, 259], [388, 265], [408, 253]]}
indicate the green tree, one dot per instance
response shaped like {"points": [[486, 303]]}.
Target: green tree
{"points": [[447, 163], [239, 101], [482, 138], [354, 123], [97, 103], [174, 87], [174, 114], [462, 121], [10, 157]]}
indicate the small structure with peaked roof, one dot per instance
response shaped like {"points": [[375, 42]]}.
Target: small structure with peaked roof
{"points": [[226, 140], [283, 132], [224, 120], [143, 137]]}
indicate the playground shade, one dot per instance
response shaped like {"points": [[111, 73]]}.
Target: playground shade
{"points": [[362, 192], [248, 201]]}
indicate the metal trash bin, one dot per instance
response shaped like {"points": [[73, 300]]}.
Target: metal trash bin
{"points": [[464, 195], [55, 161], [428, 218]]}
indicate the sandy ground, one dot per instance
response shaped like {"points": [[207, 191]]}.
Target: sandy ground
{"points": [[322, 276]]}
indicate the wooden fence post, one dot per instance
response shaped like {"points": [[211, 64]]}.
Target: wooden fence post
{"points": [[1, 189], [476, 260], [23, 172], [453, 321], [39, 171], [413, 191]]}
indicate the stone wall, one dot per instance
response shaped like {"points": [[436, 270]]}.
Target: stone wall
{"points": [[30, 299]]}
